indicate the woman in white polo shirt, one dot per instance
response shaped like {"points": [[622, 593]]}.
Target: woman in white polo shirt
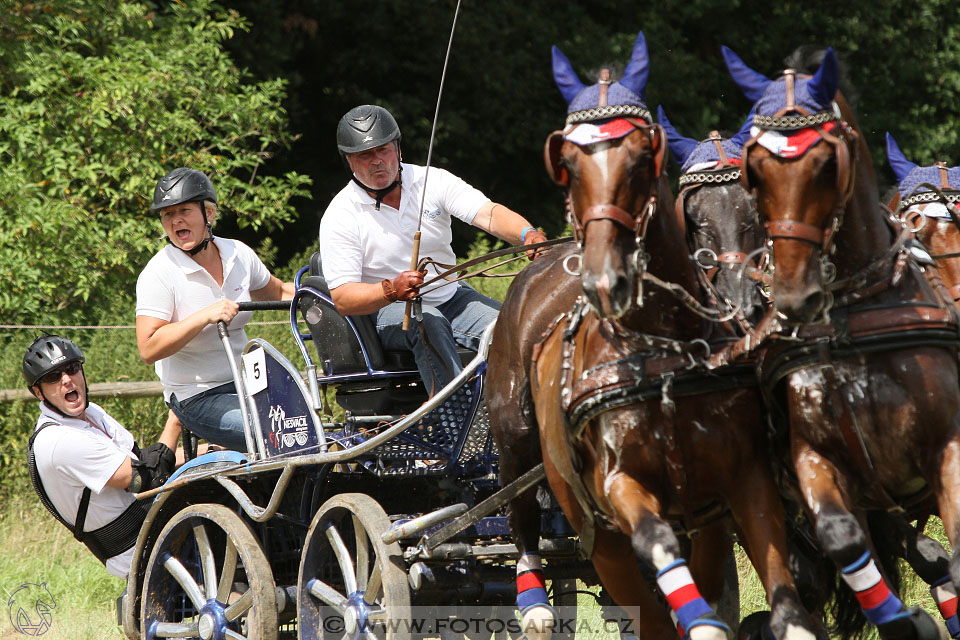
{"points": [[186, 288]]}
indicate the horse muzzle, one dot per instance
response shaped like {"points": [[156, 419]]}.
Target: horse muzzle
{"points": [[610, 289]]}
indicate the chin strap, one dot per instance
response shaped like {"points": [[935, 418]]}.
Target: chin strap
{"points": [[380, 194], [56, 409], [203, 245]]}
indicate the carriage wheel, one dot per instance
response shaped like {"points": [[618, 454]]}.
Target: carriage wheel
{"points": [[209, 579], [351, 584]]}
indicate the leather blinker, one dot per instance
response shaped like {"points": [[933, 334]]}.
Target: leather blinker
{"points": [[552, 160]]}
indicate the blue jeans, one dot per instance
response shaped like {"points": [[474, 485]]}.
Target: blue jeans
{"points": [[458, 321], [213, 415]]}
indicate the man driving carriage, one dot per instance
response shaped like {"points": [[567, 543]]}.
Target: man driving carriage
{"points": [[84, 465], [366, 241]]}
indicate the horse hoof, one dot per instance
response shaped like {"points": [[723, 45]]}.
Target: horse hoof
{"points": [[709, 628], [755, 626], [538, 622], [917, 625]]}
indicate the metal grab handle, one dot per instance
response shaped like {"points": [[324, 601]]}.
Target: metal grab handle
{"points": [[241, 386], [265, 305]]}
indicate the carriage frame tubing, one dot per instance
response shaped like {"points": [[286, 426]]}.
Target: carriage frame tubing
{"points": [[229, 467]]}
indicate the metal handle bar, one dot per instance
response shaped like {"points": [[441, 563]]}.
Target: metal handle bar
{"points": [[265, 305]]}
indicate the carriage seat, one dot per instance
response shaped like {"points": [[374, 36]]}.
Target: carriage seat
{"points": [[336, 343]]}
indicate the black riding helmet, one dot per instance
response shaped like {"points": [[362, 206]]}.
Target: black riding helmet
{"points": [[363, 128], [48, 353], [186, 185]]}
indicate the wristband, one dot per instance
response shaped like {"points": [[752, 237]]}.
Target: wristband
{"points": [[523, 234]]}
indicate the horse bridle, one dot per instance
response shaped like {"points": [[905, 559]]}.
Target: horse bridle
{"points": [[725, 171], [948, 196], [635, 222], [794, 117]]}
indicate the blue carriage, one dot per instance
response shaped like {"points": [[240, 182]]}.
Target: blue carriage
{"points": [[331, 527]]}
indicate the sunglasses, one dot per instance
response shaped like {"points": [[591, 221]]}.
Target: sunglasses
{"points": [[53, 377]]}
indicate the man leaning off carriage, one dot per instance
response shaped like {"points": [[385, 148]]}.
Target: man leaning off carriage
{"points": [[366, 242], [84, 465]]}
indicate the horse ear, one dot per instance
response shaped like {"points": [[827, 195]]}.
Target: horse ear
{"points": [[566, 78], [680, 147], [744, 134], [750, 82], [823, 84], [638, 69], [898, 162]]}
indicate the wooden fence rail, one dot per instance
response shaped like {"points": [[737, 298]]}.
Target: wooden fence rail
{"points": [[98, 390]]}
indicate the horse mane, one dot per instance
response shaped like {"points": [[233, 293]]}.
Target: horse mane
{"points": [[807, 58], [616, 72], [888, 193]]}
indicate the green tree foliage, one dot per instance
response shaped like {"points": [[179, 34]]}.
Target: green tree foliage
{"points": [[500, 101], [99, 99]]}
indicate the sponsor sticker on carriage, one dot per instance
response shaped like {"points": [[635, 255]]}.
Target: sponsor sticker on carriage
{"points": [[287, 432], [254, 371]]}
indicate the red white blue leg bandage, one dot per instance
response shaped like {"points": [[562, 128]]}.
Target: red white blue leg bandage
{"points": [[688, 607], [531, 586], [879, 604], [945, 595]]}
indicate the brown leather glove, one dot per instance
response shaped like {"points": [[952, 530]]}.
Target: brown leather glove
{"points": [[532, 238], [404, 286]]}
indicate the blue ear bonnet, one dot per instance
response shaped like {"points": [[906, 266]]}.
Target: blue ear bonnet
{"points": [[617, 94], [774, 98], [706, 151], [920, 175]]}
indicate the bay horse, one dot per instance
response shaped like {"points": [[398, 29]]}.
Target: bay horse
{"points": [[869, 351], [935, 226], [613, 368]]}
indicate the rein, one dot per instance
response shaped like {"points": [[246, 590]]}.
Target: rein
{"points": [[461, 268]]}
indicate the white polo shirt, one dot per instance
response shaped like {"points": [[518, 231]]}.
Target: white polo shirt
{"points": [[360, 244], [74, 454], [173, 286]]}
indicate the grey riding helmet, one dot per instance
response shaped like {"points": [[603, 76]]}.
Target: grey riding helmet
{"points": [[48, 353], [183, 185], [366, 127]]}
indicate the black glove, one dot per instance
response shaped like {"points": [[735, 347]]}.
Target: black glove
{"points": [[154, 467]]}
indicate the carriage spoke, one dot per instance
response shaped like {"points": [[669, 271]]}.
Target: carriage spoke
{"points": [[363, 554], [328, 594], [373, 585], [176, 630], [206, 561], [377, 615], [233, 635], [240, 607], [229, 571], [343, 558], [176, 569]]}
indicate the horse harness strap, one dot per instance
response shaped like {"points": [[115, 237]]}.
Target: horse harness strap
{"points": [[665, 370], [846, 420], [113, 538]]}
